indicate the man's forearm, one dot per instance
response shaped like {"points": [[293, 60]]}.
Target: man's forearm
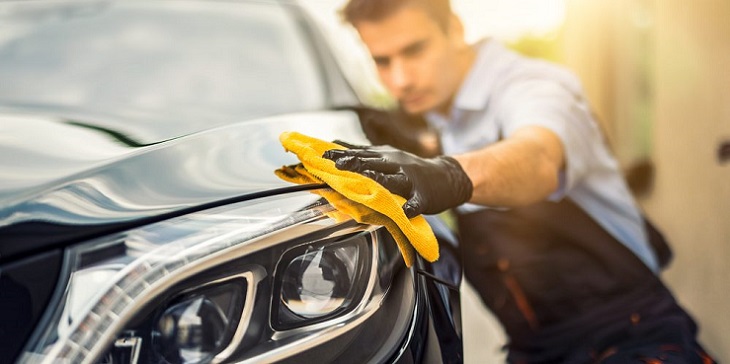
{"points": [[517, 171]]}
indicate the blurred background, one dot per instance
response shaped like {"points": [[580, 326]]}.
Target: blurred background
{"points": [[658, 76]]}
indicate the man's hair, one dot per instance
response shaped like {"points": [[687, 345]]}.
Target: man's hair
{"points": [[375, 10]]}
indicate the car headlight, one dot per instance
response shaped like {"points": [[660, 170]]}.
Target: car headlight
{"points": [[261, 280], [317, 282]]}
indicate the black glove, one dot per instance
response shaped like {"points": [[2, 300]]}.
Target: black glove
{"points": [[430, 185]]}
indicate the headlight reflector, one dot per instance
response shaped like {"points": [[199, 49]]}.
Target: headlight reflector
{"points": [[318, 281], [196, 326]]}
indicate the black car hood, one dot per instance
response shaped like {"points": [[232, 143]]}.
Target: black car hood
{"points": [[79, 176]]}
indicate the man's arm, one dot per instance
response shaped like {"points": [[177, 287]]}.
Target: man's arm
{"points": [[516, 171], [519, 170]]}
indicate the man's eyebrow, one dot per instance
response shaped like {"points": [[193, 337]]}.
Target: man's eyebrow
{"points": [[414, 47], [409, 49]]}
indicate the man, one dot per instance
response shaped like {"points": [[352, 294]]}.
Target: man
{"points": [[562, 255]]}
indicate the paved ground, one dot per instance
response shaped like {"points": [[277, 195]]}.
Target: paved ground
{"points": [[483, 337]]}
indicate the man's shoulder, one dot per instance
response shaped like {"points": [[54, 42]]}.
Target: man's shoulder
{"points": [[507, 65], [498, 69]]}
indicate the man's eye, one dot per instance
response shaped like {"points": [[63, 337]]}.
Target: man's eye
{"points": [[414, 49], [381, 61]]}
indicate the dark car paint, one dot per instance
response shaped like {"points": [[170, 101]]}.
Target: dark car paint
{"points": [[26, 287]]}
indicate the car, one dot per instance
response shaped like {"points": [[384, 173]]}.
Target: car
{"points": [[140, 217]]}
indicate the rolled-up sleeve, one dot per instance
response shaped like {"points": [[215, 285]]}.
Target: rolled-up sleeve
{"points": [[558, 107]]}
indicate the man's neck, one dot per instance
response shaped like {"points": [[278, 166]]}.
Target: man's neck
{"points": [[464, 62]]}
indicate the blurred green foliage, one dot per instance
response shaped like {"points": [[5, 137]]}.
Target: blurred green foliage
{"points": [[546, 46]]}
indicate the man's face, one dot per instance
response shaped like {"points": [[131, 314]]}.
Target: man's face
{"points": [[415, 58]]}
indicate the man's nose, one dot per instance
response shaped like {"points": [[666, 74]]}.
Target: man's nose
{"points": [[399, 75]]}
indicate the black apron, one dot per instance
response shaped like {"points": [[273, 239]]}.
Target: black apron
{"points": [[564, 289]]}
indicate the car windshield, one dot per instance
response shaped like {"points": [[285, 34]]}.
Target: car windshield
{"points": [[169, 67]]}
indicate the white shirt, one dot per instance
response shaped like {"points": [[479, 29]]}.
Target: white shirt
{"points": [[503, 92]]}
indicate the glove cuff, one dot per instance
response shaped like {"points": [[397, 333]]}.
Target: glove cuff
{"points": [[462, 187]]}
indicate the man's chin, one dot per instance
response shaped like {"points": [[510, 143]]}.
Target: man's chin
{"points": [[415, 108]]}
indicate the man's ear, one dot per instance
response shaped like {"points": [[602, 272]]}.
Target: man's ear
{"points": [[456, 32]]}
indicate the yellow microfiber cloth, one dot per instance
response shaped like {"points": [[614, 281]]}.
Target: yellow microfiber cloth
{"points": [[357, 196]]}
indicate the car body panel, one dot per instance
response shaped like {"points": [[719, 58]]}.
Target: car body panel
{"points": [[121, 183]]}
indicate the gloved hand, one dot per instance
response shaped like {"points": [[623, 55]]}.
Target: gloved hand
{"points": [[429, 185]]}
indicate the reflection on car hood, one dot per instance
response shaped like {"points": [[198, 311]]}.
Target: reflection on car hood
{"points": [[76, 174]]}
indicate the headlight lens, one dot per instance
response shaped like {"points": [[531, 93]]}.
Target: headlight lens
{"points": [[191, 331], [319, 281], [251, 281], [195, 327]]}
